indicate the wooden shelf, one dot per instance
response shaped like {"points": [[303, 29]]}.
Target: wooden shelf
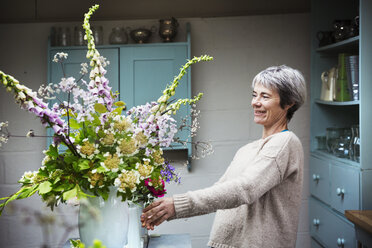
{"points": [[348, 103], [351, 44]]}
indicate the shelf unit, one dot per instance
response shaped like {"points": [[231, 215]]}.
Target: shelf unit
{"points": [[338, 184], [139, 72]]}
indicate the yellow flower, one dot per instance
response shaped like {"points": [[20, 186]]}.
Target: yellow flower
{"points": [[96, 179], [112, 162], [122, 125], [88, 149], [144, 169], [109, 139], [127, 180], [141, 139], [127, 146], [158, 156]]}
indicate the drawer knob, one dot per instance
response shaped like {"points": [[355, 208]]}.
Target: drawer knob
{"points": [[340, 191], [340, 242], [316, 222], [316, 177]]}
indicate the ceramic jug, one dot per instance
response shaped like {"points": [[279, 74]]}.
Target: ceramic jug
{"points": [[328, 84]]}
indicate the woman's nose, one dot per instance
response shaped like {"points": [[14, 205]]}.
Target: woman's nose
{"points": [[256, 101]]}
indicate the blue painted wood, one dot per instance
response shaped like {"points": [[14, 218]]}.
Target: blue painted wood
{"points": [[147, 70], [319, 179], [345, 179], [355, 178], [365, 65]]}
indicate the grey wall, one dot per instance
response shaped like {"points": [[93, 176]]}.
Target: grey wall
{"points": [[241, 46]]}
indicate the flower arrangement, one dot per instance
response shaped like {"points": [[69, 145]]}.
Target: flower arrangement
{"points": [[103, 147]]}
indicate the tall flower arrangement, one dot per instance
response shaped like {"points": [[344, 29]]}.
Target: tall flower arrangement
{"points": [[104, 146]]}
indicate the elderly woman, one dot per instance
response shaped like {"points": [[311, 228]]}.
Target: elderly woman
{"points": [[257, 200]]}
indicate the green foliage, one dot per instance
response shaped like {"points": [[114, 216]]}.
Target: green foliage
{"points": [[45, 187], [100, 108]]}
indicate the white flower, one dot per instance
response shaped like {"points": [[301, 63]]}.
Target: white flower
{"points": [[21, 95], [163, 99]]}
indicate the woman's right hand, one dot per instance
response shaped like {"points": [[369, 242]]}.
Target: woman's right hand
{"points": [[157, 212]]}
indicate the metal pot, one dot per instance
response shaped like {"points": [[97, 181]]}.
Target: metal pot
{"points": [[140, 35], [168, 29]]}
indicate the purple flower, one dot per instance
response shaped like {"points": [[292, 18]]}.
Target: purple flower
{"points": [[168, 172]]}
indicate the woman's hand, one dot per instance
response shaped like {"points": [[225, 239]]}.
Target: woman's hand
{"points": [[157, 212]]}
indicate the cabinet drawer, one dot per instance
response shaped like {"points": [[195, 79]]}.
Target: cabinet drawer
{"points": [[329, 228], [319, 179], [320, 226], [344, 188]]}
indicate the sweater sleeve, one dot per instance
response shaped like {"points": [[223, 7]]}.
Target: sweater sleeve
{"points": [[265, 173]]}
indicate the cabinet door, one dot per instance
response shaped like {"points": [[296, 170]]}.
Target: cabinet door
{"points": [[72, 66], [145, 71], [344, 188], [319, 179]]}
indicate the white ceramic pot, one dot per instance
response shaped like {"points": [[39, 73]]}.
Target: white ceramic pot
{"points": [[106, 221]]}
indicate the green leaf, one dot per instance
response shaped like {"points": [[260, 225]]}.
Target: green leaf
{"points": [[119, 104], [100, 108], [118, 110], [28, 192], [53, 151], [70, 194], [84, 164], [101, 169], [45, 187], [74, 124], [69, 159]]}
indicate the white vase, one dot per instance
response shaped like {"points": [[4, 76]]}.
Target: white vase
{"points": [[137, 235], [106, 221]]}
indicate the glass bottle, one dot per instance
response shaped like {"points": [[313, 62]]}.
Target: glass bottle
{"points": [[118, 36]]}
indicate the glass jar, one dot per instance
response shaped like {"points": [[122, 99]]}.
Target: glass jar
{"points": [[342, 144], [64, 36], [332, 135], [79, 36], [355, 143], [321, 143], [118, 36], [98, 35]]}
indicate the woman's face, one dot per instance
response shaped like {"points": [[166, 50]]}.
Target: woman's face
{"points": [[266, 106]]}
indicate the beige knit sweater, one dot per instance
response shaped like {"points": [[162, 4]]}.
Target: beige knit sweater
{"points": [[257, 199]]}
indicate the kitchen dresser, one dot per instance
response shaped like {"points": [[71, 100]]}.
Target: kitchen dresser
{"points": [[139, 72], [339, 184]]}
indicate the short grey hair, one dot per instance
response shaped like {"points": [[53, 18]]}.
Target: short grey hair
{"points": [[288, 82]]}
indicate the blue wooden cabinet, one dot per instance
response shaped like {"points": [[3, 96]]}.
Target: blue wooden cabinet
{"points": [[339, 184], [146, 70], [139, 72]]}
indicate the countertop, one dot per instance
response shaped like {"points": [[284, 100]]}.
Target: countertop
{"points": [[361, 218]]}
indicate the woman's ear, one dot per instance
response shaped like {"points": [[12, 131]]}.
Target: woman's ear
{"points": [[289, 106]]}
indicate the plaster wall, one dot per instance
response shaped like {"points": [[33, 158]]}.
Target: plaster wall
{"points": [[241, 47]]}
